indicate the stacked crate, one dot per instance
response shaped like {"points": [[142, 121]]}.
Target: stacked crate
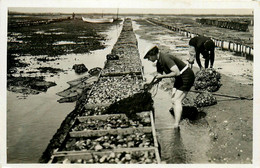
{"points": [[97, 137], [110, 139]]}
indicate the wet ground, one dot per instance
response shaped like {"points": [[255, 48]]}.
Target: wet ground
{"points": [[32, 120], [43, 50], [224, 135], [191, 25]]}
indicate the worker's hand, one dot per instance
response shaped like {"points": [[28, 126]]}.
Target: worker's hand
{"points": [[145, 85], [190, 66], [191, 60]]}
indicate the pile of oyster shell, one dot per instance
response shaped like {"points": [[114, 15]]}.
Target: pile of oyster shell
{"points": [[99, 110], [207, 79], [102, 143], [205, 99], [111, 89], [134, 157], [121, 68], [112, 122]]}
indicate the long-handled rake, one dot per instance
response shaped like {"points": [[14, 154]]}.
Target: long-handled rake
{"points": [[224, 95], [149, 86]]}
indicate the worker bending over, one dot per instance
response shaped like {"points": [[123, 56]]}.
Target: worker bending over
{"points": [[204, 46]]}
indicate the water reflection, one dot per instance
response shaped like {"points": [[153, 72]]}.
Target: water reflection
{"points": [[32, 122], [172, 146], [179, 154], [187, 145]]}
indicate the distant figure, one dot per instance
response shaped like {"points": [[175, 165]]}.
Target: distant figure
{"points": [[202, 45], [73, 15]]}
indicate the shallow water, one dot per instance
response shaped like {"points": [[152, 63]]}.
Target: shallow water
{"points": [[32, 120], [191, 143], [64, 42]]}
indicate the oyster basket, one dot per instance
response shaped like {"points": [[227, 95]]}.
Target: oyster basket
{"points": [[116, 131], [59, 156], [76, 156]]}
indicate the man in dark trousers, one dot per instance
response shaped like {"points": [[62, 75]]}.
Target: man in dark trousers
{"points": [[202, 45]]}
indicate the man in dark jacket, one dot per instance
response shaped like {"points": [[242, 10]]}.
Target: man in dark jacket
{"points": [[202, 45]]}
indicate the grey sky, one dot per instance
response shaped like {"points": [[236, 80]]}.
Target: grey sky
{"points": [[133, 10], [133, 6]]}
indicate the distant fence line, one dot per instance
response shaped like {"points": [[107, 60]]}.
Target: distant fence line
{"points": [[35, 23], [241, 25], [245, 51]]}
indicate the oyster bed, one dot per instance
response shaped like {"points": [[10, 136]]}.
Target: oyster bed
{"points": [[101, 136], [127, 51], [123, 157], [108, 122], [112, 89], [84, 144], [109, 142], [120, 78], [94, 110], [116, 68]]}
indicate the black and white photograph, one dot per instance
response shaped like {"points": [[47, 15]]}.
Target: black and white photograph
{"points": [[141, 82]]}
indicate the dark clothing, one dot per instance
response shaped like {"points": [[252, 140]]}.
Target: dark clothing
{"points": [[185, 81], [168, 61], [205, 46], [182, 82]]}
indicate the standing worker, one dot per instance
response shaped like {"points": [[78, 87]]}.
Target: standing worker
{"points": [[202, 45], [173, 67]]}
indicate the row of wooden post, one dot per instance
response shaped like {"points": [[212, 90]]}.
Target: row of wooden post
{"points": [[231, 46]]}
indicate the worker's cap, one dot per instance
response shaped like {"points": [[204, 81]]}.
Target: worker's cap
{"points": [[192, 42], [151, 52], [209, 45]]}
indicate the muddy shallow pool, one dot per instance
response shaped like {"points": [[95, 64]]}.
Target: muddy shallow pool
{"points": [[32, 120]]}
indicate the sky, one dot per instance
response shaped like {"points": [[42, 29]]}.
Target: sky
{"points": [[133, 10], [133, 6]]}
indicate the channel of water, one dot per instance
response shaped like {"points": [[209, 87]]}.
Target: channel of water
{"points": [[32, 120]]}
